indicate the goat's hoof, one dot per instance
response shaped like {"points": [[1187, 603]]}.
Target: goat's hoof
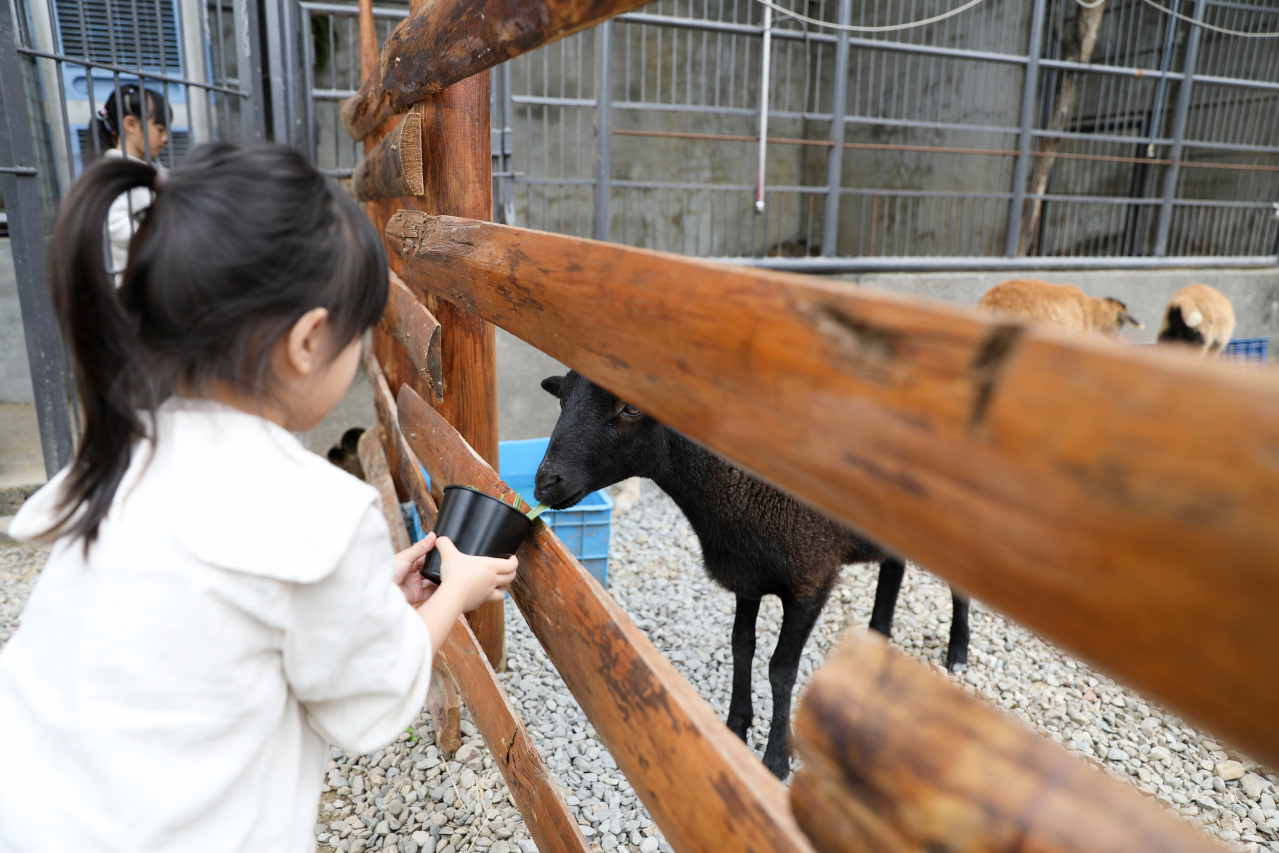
{"points": [[957, 666]]}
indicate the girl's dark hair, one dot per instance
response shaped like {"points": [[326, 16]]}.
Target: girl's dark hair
{"points": [[237, 246], [108, 124]]}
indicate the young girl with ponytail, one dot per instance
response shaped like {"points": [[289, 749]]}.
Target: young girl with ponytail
{"points": [[219, 604], [133, 124]]}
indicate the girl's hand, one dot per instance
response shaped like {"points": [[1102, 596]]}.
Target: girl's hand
{"points": [[408, 567], [473, 580]]}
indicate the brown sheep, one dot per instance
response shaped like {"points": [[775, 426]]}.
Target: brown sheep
{"points": [[1198, 315], [1059, 304]]}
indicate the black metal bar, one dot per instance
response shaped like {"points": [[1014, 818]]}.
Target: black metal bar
{"points": [[1178, 133], [1030, 89], [142, 75], [49, 376]]}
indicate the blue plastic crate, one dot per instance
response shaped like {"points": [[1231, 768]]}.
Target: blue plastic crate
{"points": [[1247, 350], [1252, 351], [584, 529]]}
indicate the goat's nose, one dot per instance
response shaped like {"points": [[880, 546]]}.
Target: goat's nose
{"points": [[547, 485]]}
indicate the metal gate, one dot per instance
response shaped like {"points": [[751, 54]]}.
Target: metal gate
{"points": [[70, 56], [1001, 136], [893, 136]]}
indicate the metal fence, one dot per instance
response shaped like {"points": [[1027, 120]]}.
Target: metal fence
{"points": [[979, 141], [67, 58], [1016, 133]]}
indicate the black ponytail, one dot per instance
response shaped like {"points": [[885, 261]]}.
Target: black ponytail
{"points": [[108, 124], [237, 246], [111, 379]]}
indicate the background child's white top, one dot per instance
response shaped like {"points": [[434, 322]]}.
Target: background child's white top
{"points": [[124, 216], [177, 690]]}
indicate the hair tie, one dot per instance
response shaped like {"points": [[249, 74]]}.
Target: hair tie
{"points": [[102, 112]]}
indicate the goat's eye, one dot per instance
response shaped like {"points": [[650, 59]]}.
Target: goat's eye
{"points": [[630, 412]]}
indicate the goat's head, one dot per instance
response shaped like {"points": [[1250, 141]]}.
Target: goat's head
{"points": [[1114, 316], [598, 440]]}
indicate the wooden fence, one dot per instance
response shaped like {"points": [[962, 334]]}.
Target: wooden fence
{"points": [[1121, 502]]}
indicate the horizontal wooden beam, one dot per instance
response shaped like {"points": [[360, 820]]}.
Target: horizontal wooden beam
{"points": [[400, 455], [897, 759], [703, 787], [407, 320], [444, 41], [378, 475], [533, 789], [1119, 500], [393, 169], [467, 670]]}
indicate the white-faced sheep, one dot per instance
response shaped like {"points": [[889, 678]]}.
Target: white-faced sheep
{"points": [[1062, 305], [1200, 316], [756, 540]]}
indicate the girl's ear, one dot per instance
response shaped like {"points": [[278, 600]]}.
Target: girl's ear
{"points": [[304, 346], [132, 124]]}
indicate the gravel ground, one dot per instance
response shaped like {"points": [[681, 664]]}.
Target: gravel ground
{"points": [[411, 798]]}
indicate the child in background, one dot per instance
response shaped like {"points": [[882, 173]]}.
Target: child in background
{"points": [[133, 124], [219, 604]]}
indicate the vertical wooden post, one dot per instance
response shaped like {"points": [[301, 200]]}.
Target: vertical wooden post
{"points": [[458, 179], [458, 175]]}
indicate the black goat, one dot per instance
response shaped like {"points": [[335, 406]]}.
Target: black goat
{"points": [[756, 540]]}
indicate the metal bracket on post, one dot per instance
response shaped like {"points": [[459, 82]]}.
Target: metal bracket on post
{"points": [[835, 159], [18, 182], [1182, 111], [603, 128], [1022, 170]]}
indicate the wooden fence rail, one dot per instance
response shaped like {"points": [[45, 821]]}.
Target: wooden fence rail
{"points": [[1119, 502], [895, 759]]}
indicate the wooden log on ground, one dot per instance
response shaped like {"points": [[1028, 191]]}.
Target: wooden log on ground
{"points": [[532, 787], [1120, 500], [897, 759], [702, 785], [378, 474], [444, 41], [394, 167], [407, 320]]}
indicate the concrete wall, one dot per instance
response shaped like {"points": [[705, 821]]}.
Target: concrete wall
{"points": [[1253, 292], [526, 411], [15, 374]]}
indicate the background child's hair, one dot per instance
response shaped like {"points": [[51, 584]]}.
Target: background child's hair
{"points": [[238, 245], [108, 124]]}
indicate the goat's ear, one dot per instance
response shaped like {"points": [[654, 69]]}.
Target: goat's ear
{"points": [[1125, 317], [552, 384]]}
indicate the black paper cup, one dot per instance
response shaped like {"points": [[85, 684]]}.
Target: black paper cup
{"points": [[478, 524]]}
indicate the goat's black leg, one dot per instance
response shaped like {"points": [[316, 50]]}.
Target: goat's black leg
{"points": [[891, 572], [957, 652], [741, 711], [798, 618]]}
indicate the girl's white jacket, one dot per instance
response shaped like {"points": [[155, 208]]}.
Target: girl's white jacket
{"points": [[178, 689]]}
